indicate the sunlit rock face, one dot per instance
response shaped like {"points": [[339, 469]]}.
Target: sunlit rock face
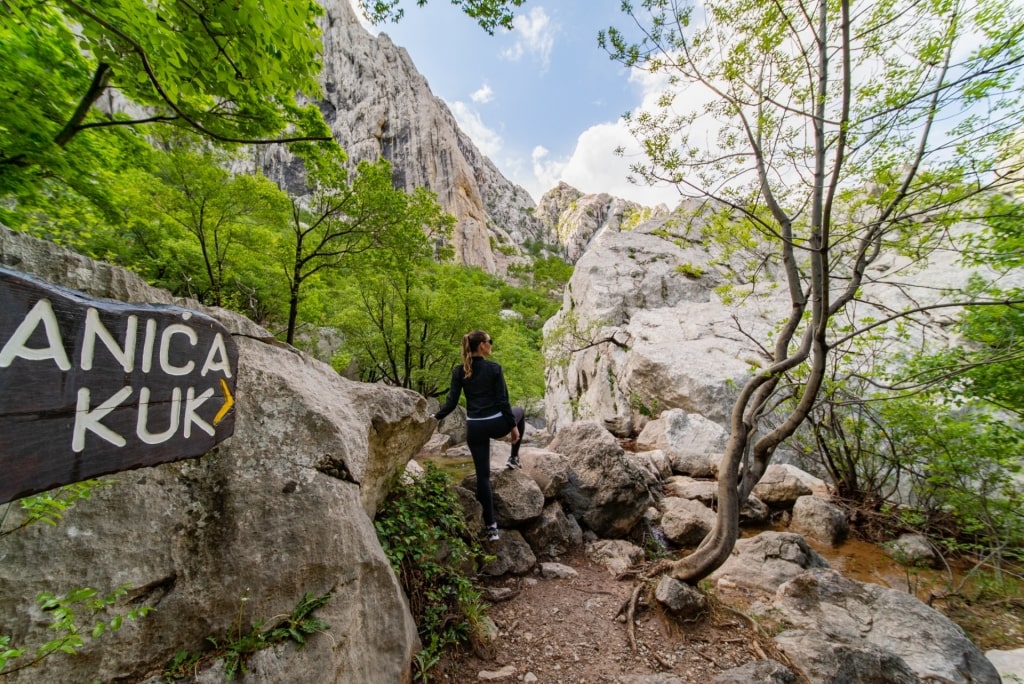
{"points": [[657, 317], [378, 105], [575, 217]]}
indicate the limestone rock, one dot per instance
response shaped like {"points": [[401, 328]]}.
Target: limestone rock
{"points": [[863, 616], [824, 660], [512, 555], [617, 555], [557, 571], [681, 600], [453, 426], [554, 533], [517, 498], [657, 290], [655, 462], [684, 521], [781, 486], [605, 492], [819, 519], [378, 105], [765, 561], [548, 469], [753, 511], [693, 443], [281, 508], [575, 217], [913, 550], [684, 487], [1010, 664], [757, 672]]}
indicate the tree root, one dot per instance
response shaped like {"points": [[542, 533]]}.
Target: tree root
{"points": [[629, 608]]}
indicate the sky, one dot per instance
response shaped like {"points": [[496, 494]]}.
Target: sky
{"points": [[542, 101]]}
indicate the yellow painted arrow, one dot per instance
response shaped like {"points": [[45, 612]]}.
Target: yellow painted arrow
{"points": [[229, 401]]}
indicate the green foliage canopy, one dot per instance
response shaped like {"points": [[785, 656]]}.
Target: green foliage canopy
{"points": [[490, 14]]}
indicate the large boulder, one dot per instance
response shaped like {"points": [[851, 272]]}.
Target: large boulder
{"points": [[689, 322], [766, 561], [864, 617], [679, 347], [685, 522], [606, 491], [517, 498], [823, 660], [554, 533], [218, 543], [819, 519], [781, 485], [693, 443], [549, 470]]}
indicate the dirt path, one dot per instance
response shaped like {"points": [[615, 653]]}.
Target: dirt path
{"points": [[565, 631]]}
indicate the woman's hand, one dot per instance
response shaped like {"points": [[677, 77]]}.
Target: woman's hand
{"points": [[515, 435]]}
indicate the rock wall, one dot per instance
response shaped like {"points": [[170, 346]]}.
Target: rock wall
{"points": [[378, 105], [655, 289], [237, 536], [575, 218]]}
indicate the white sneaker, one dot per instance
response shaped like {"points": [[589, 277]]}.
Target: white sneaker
{"points": [[492, 532]]}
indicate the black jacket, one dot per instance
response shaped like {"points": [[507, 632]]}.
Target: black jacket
{"points": [[486, 392]]}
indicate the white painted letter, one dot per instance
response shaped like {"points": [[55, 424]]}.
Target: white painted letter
{"points": [[90, 420], [165, 348], [192, 402], [147, 345], [142, 427], [15, 347], [217, 358], [94, 328]]}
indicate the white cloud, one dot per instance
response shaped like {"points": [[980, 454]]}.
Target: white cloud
{"points": [[486, 139], [483, 95], [594, 166], [546, 171], [535, 35]]}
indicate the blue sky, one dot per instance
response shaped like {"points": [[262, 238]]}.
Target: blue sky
{"points": [[542, 101]]}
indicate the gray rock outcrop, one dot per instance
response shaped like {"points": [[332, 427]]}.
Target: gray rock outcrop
{"points": [[694, 443], [819, 519], [764, 562], [889, 629], [606, 491], [575, 217], [690, 324], [239, 535]]}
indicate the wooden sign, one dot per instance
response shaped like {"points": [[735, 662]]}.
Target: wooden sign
{"points": [[90, 387]]}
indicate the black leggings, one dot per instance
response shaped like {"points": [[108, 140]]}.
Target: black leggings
{"points": [[479, 434]]}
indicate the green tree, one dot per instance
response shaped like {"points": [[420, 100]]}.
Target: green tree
{"points": [[207, 227], [340, 218], [840, 132]]}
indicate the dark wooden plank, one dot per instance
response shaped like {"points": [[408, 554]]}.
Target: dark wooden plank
{"points": [[91, 386]]}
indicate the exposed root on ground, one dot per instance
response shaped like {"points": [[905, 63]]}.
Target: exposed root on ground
{"points": [[629, 608]]}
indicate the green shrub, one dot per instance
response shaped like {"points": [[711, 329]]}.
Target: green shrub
{"points": [[424, 534]]}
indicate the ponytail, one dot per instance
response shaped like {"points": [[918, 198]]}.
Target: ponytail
{"points": [[471, 341]]}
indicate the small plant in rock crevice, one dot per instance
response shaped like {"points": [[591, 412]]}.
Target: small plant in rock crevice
{"points": [[239, 645], [424, 534]]}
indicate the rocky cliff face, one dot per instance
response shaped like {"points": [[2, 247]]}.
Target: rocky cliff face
{"points": [[657, 291], [378, 104], [217, 543], [575, 218]]}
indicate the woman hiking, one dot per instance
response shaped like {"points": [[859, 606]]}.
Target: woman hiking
{"points": [[488, 415]]}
